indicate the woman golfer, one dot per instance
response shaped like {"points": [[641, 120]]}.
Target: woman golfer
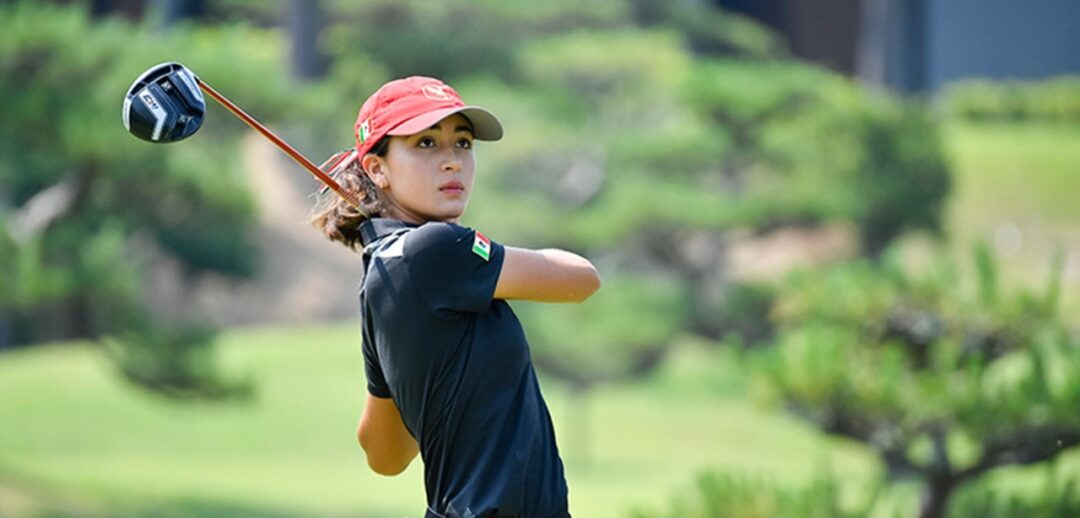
{"points": [[448, 368]]}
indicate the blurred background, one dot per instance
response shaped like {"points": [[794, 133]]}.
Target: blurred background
{"points": [[839, 244]]}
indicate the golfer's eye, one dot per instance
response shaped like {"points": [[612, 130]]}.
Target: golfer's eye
{"points": [[426, 142], [464, 143]]}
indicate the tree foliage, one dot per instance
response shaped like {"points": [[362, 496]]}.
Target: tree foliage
{"points": [[639, 152], [944, 380], [642, 133], [82, 203]]}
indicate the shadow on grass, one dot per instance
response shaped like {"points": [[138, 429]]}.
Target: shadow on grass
{"points": [[185, 509], [174, 509], [22, 498]]}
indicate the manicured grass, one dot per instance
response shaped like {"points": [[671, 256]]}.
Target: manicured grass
{"points": [[1015, 187], [1015, 171], [78, 438]]}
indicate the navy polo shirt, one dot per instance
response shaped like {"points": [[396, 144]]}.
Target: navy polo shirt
{"points": [[456, 362]]}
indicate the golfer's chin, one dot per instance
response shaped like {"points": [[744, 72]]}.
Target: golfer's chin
{"points": [[451, 211]]}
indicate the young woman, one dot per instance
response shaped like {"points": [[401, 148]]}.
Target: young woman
{"points": [[448, 368]]}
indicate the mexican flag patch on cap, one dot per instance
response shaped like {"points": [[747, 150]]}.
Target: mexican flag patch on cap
{"points": [[482, 246]]}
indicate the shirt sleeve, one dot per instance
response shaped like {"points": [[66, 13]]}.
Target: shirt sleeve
{"points": [[454, 268], [376, 381]]}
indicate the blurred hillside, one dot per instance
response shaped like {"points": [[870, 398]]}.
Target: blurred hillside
{"points": [[303, 277]]}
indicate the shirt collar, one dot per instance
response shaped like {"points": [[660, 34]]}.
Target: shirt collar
{"points": [[374, 229]]}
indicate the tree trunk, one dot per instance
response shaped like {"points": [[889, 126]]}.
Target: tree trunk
{"points": [[891, 52], [305, 22], [5, 331], [49, 205], [935, 500], [130, 9], [175, 11], [870, 56], [941, 480], [648, 13], [100, 8]]}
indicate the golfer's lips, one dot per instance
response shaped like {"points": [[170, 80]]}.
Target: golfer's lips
{"points": [[452, 187]]}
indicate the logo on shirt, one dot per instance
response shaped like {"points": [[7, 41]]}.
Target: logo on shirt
{"points": [[482, 246]]}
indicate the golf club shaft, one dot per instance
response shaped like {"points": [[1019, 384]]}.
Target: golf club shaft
{"points": [[281, 144]]}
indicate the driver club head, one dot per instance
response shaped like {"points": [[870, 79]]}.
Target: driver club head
{"points": [[164, 104]]}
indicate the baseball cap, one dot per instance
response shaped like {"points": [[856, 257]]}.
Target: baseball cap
{"points": [[413, 104]]}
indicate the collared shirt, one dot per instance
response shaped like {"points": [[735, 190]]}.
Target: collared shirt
{"points": [[456, 362]]}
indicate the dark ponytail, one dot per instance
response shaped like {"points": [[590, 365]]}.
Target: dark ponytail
{"points": [[336, 218]]}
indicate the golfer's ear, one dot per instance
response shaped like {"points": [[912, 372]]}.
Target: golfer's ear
{"points": [[375, 167]]}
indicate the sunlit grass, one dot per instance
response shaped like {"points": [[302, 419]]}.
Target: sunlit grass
{"points": [[1015, 187], [1014, 171], [76, 432]]}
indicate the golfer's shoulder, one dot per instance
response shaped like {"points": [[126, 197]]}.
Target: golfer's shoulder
{"points": [[437, 240]]}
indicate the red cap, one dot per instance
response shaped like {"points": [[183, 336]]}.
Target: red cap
{"points": [[411, 105]]}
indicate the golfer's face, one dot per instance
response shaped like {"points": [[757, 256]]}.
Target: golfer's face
{"points": [[431, 173]]}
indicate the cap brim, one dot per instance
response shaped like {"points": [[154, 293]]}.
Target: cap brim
{"points": [[484, 123]]}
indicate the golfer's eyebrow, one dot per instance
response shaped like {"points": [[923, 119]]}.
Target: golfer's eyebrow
{"points": [[459, 129]]}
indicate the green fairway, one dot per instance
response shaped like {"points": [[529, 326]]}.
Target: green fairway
{"points": [[1015, 187], [76, 437], [1026, 172]]}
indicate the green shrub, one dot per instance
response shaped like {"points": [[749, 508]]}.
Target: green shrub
{"points": [[730, 496], [1054, 500], [174, 361], [741, 313], [1055, 100]]}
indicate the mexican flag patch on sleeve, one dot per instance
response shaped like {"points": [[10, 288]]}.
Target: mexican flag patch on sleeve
{"points": [[482, 246]]}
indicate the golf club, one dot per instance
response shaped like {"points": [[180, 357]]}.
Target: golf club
{"points": [[166, 104]]}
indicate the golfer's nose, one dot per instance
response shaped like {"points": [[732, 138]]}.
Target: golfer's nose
{"points": [[451, 164]]}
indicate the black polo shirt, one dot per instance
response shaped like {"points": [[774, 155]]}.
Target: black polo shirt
{"points": [[457, 365]]}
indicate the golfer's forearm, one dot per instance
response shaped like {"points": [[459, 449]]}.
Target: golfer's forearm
{"points": [[547, 275], [384, 438]]}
